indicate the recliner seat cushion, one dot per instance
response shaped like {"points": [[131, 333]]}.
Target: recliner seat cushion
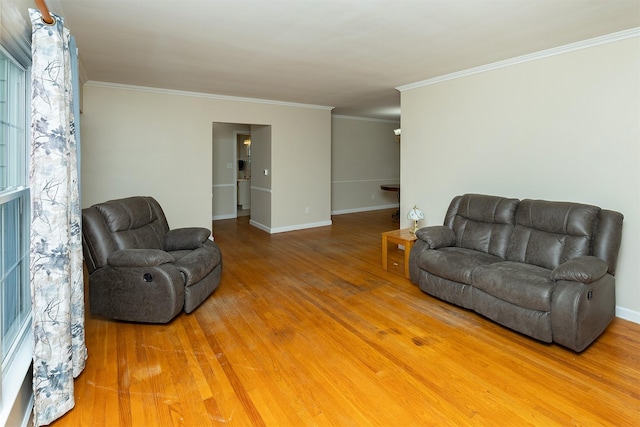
{"points": [[456, 264], [146, 237], [198, 263], [139, 258], [524, 285], [179, 254]]}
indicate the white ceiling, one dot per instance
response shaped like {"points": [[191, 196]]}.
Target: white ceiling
{"points": [[347, 54]]}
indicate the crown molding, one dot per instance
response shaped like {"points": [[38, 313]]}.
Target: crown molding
{"points": [[95, 83], [609, 38], [366, 119]]}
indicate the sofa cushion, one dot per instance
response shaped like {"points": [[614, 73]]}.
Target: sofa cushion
{"points": [[523, 285], [483, 223], [550, 233], [534, 323], [454, 263], [447, 290]]}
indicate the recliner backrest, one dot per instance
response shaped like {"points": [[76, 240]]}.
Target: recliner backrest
{"points": [[549, 233], [129, 223], [481, 222]]}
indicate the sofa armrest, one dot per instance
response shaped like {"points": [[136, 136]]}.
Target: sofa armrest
{"points": [[186, 238], [580, 312], [139, 258], [438, 236], [584, 269]]}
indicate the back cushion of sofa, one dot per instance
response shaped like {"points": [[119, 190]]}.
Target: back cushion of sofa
{"points": [[550, 233], [134, 223], [483, 223]]}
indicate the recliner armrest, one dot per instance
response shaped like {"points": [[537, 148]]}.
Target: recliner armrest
{"points": [[438, 236], [584, 269], [139, 258], [186, 238]]}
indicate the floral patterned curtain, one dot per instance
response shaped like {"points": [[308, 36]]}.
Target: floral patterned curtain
{"points": [[57, 287]]}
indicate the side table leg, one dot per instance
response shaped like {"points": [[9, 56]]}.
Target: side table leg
{"points": [[384, 252], [407, 252]]}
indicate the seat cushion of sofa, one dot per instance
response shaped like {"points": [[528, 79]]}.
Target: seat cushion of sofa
{"points": [[524, 285], [454, 263]]}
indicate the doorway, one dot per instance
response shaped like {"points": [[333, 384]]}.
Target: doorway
{"points": [[241, 178], [243, 162]]}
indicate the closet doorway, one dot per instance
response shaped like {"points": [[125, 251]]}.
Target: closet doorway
{"points": [[243, 162]]}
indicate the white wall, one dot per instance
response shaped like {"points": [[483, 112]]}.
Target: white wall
{"points": [[261, 187], [563, 127], [140, 141], [364, 155]]}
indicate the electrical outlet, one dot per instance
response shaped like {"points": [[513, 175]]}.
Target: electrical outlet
{"points": [[229, 165], [373, 196], [306, 210]]}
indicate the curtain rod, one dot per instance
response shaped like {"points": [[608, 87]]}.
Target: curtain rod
{"points": [[44, 10]]}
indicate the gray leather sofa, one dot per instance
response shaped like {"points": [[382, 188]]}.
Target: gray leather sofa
{"points": [[543, 268], [141, 271]]}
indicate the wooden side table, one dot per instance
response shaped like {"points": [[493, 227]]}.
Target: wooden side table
{"points": [[396, 188], [400, 237]]}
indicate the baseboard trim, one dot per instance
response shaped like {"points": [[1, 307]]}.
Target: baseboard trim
{"points": [[628, 314], [289, 227], [310, 225], [219, 217], [260, 226], [301, 226], [364, 209]]}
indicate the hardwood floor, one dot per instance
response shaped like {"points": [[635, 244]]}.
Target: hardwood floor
{"points": [[307, 329]]}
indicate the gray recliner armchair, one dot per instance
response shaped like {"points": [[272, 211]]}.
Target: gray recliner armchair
{"points": [[141, 271]]}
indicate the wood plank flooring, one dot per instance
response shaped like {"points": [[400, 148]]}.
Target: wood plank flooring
{"points": [[306, 329]]}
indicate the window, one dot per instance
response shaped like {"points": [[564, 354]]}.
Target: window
{"points": [[15, 297], [12, 124]]}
